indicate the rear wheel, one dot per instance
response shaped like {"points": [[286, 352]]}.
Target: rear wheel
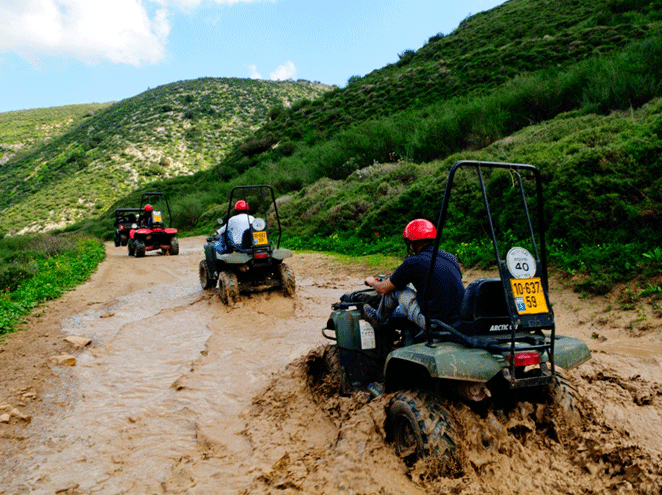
{"points": [[139, 249], [174, 246], [287, 281], [227, 287], [131, 248], [420, 426], [117, 241], [206, 280], [567, 398]]}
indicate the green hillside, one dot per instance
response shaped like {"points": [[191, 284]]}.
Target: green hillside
{"points": [[25, 129], [521, 40], [571, 86], [108, 151]]}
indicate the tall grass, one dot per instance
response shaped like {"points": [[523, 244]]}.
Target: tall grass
{"points": [[39, 268]]}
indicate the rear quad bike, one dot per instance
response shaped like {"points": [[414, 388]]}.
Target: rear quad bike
{"points": [[152, 232], [125, 220], [255, 265], [504, 348]]}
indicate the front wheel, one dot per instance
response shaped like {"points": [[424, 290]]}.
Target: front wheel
{"points": [[331, 357], [131, 248], [420, 426], [139, 248], [206, 279], [174, 246], [287, 281], [227, 287]]}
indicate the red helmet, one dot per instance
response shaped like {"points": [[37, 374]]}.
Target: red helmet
{"points": [[148, 207], [241, 205], [419, 230]]}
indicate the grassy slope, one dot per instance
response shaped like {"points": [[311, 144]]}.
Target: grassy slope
{"points": [[172, 130], [487, 50], [24, 129], [603, 183], [562, 84]]}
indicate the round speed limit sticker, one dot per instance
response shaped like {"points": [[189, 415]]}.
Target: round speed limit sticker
{"points": [[521, 263]]}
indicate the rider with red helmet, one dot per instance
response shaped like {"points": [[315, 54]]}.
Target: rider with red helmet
{"points": [[446, 289], [146, 215], [231, 235]]}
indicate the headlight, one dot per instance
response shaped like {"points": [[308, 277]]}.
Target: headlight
{"points": [[259, 224], [134, 225]]}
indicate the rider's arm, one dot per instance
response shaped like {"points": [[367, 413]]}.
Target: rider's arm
{"points": [[382, 286]]}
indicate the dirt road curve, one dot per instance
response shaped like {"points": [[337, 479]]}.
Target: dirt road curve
{"points": [[177, 393]]}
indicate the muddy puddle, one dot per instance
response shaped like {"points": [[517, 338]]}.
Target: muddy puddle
{"points": [[177, 393]]}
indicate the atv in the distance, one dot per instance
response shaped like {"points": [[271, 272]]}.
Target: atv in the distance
{"points": [[152, 232], [125, 220], [257, 264], [504, 348]]}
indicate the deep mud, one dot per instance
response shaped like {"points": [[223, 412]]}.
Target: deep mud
{"points": [[177, 393]]}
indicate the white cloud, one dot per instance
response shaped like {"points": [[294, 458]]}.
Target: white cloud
{"points": [[254, 73], [193, 4], [285, 71], [120, 31]]}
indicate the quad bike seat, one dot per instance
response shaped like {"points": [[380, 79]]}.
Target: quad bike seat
{"points": [[484, 309], [246, 245], [247, 239]]}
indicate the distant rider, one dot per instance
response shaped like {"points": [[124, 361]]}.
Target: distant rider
{"points": [[236, 226], [146, 216], [446, 289]]}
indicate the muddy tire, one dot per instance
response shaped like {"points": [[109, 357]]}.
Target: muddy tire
{"points": [[139, 249], [131, 249], [287, 281], [331, 359], [206, 280], [420, 426], [227, 287], [174, 246], [567, 398]]}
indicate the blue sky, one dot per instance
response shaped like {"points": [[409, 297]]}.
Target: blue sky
{"points": [[62, 52]]}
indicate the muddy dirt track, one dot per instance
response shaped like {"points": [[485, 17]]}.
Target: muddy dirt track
{"points": [[176, 393]]}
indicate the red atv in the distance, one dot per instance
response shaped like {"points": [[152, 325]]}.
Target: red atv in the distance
{"points": [[152, 232]]}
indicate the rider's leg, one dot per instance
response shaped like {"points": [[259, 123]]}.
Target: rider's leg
{"points": [[407, 302]]}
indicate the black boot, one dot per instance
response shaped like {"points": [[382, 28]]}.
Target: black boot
{"points": [[371, 315]]}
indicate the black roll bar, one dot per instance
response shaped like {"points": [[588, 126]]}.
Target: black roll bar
{"points": [[540, 254]]}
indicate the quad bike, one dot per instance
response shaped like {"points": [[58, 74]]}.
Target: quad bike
{"points": [[503, 349], [125, 220], [151, 232], [255, 265]]}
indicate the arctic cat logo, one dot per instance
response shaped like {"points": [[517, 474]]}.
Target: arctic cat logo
{"points": [[500, 328]]}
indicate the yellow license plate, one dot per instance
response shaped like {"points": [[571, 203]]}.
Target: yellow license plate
{"points": [[529, 296], [260, 238]]}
